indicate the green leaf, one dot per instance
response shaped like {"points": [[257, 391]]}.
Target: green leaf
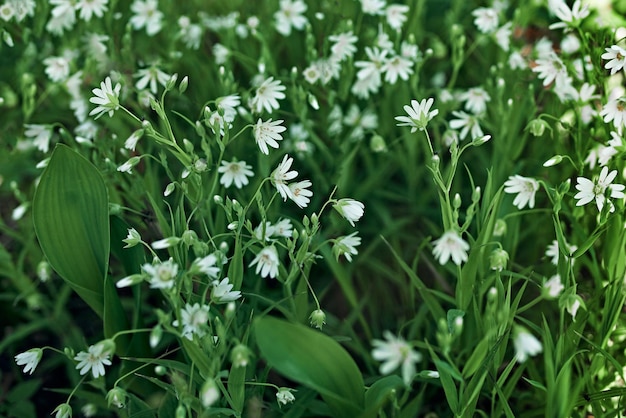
{"points": [[314, 360], [379, 393], [70, 213], [236, 387]]}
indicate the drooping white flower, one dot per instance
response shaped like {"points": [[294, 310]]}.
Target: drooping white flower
{"points": [[503, 36], [267, 96], [300, 194], [222, 291], [89, 8], [290, 15], [419, 114], [29, 359], [396, 352], [63, 411], [553, 287], [206, 265], [267, 262], [281, 175], [450, 245], [161, 275], [284, 396], [346, 246], [146, 14], [525, 188], [235, 172], [554, 252], [106, 97], [526, 344], [486, 19], [589, 190], [350, 209], [268, 133], [94, 359]]}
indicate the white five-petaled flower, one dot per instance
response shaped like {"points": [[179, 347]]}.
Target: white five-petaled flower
{"points": [[550, 68], [267, 262], [396, 15], [350, 209], [193, 319], [450, 245], [553, 287], [146, 14], [372, 7], [57, 68], [206, 265], [300, 194], [616, 55], [106, 97], [40, 135], [290, 15], [396, 352], [615, 110], [88, 8], [419, 114], [597, 190], [151, 76], [235, 172], [554, 252], [467, 124], [526, 344], [525, 187], [161, 275], [475, 99], [94, 359], [343, 45], [569, 17], [29, 359], [486, 19], [281, 175], [223, 291], [268, 133], [267, 96], [346, 246]]}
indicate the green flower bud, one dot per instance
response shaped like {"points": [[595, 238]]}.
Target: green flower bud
{"points": [[317, 318]]}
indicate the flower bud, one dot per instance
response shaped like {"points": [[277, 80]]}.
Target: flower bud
{"points": [[209, 393], [377, 144], [155, 335], [284, 396], [171, 82], [240, 355], [169, 189], [499, 228], [498, 259], [317, 318], [553, 161], [117, 397], [537, 127], [63, 411], [184, 83]]}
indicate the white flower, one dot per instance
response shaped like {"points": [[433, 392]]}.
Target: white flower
{"points": [[29, 359], [343, 45], [161, 275], [94, 359], [151, 75], [146, 14], [268, 133], [267, 96], [372, 7], [209, 393], [397, 66], [554, 252], [553, 287], [569, 17], [615, 110], [7, 12], [419, 114], [57, 68], [221, 53], [106, 97], [572, 303], [617, 58], [299, 193], [40, 135], [525, 187], [396, 15], [394, 353], [206, 265], [346, 246], [63, 411], [229, 105], [486, 19], [450, 245], [88, 8], [133, 139], [516, 61], [281, 175], [550, 68], [267, 262], [570, 44], [503, 36], [235, 172], [350, 209], [369, 74], [223, 291], [467, 123], [589, 190], [290, 15], [475, 99], [525, 344], [132, 238], [282, 228], [194, 319], [284, 396]]}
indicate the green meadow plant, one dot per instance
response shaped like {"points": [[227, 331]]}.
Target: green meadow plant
{"points": [[351, 208]]}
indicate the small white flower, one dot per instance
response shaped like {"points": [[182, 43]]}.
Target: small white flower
{"points": [[615, 110], [268, 133], [569, 17], [346, 246], [133, 139], [419, 114], [209, 393], [373, 7], [397, 66], [343, 45], [88, 8], [554, 252], [29, 359], [40, 136], [468, 124], [94, 359], [526, 344], [525, 187], [165, 243], [57, 68], [300, 194], [63, 411], [284, 396], [106, 97], [486, 19], [476, 99], [553, 287], [162, 275], [572, 303], [503, 36], [290, 15], [281, 175], [282, 228], [350, 209], [235, 172], [396, 352], [616, 55], [396, 15], [267, 262], [596, 190], [450, 245], [267, 96], [146, 14], [132, 238], [207, 265], [194, 319], [151, 76], [223, 292]]}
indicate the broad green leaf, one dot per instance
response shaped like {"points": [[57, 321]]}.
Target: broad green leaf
{"points": [[70, 213], [314, 360], [379, 393]]}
